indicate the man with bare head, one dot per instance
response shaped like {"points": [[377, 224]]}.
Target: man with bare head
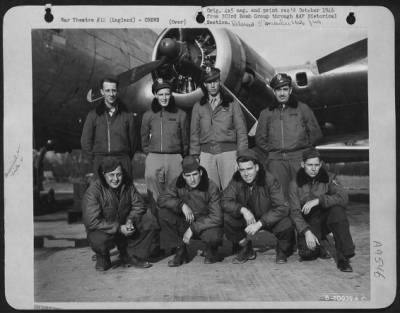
{"points": [[114, 214], [109, 129], [318, 204], [254, 201]]}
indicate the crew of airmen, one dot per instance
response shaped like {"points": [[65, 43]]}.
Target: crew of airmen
{"points": [[204, 182]]}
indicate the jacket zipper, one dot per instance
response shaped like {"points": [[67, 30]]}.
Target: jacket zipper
{"points": [[108, 194], [161, 115], [120, 200], [283, 139], [212, 114], [108, 133]]}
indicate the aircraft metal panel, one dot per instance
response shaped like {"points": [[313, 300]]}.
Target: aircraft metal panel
{"points": [[110, 52], [134, 61], [75, 40], [108, 41]]}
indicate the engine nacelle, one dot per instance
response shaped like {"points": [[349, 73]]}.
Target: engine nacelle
{"points": [[243, 71]]}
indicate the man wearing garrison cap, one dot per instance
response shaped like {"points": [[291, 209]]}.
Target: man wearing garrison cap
{"points": [[285, 129], [114, 214], [190, 208], [254, 201], [218, 129], [318, 207]]}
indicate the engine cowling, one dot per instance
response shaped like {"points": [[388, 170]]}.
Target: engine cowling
{"points": [[243, 71]]}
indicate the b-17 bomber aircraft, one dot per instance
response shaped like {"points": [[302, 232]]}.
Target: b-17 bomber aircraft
{"points": [[69, 64]]}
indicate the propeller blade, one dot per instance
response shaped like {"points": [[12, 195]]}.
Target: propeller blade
{"points": [[248, 115], [128, 77], [344, 56], [138, 72], [92, 97], [213, 53], [184, 35]]}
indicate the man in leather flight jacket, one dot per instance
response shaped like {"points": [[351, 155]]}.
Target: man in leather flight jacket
{"points": [[114, 214], [318, 206]]}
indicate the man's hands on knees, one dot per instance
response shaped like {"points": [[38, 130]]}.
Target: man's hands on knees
{"points": [[127, 229], [248, 216], [187, 211], [311, 240], [309, 205], [252, 225], [187, 236], [189, 216], [253, 228]]}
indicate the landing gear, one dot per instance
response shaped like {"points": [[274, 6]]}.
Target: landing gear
{"points": [[43, 202]]}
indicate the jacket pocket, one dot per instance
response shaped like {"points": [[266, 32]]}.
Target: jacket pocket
{"points": [[172, 129]]}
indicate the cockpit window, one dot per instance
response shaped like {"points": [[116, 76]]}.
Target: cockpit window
{"points": [[301, 79]]}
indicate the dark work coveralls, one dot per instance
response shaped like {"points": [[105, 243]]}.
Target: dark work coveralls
{"points": [[265, 199], [204, 202]]}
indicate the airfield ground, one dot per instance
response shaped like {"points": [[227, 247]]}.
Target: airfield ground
{"points": [[64, 272]]}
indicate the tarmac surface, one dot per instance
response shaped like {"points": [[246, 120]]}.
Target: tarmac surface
{"points": [[64, 273]]}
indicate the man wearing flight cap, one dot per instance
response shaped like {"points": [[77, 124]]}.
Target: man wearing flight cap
{"points": [[318, 204], [165, 140], [253, 201], [113, 213], [218, 129], [190, 208], [285, 129]]}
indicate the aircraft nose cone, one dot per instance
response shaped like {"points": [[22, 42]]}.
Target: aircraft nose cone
{"points": [[169, 48]]}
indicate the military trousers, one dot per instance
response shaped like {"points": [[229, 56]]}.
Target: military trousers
{"points": [[137, 245], [323, 221], [220, 167], [160, 170], [283, 230], [284, 170], [173, 227]]}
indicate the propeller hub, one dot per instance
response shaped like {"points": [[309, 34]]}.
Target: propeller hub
{"points": [[169, 48]]}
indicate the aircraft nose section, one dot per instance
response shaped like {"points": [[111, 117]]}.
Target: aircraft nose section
{"points": [[169, 48]]}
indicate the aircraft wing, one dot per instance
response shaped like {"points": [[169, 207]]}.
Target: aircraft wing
{"points": [[350, 147]]}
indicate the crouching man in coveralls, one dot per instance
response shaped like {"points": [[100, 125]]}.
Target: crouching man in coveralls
{"points": [[114, 215], [318, 207], [190, 208], [253, 201]]}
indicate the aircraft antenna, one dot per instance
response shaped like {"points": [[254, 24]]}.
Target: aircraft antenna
{"points": [[248, 113]]}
